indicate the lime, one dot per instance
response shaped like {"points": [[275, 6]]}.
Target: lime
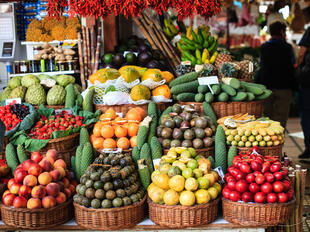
{"points": [[192, 151], [198, 173], [187, 173], [186, 154], [108, 58], [193, 164], [130, 58], [203, 183]]}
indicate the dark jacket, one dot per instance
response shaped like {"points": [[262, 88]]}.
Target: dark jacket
{"points": [[277, 65]]}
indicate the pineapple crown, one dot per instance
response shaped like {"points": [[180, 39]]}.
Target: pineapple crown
{"points": [[228, 69], [207, 70]]}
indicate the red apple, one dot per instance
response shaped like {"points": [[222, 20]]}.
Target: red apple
{"points": [[282, 197], [260, 197], [241, 186], [278, 187], [266, 188], [272, 198], [247, 197], [253, 188], [27, 163]]}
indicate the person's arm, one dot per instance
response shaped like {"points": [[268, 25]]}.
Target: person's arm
{"points": [[301, 54]]}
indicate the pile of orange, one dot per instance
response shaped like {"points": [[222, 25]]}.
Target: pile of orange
{"points": [[112, 131]]}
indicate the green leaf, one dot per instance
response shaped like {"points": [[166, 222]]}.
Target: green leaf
{"points": [[36, 144]]}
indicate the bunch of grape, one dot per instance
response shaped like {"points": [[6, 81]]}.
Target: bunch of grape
{"points": [[20, 110]]}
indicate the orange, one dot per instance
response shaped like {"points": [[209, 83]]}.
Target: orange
{"points": [[98, 143], [123, 143], [133, 141], [133, 115], [119, 121], [168, 76], [141, 111], [120, 131], [103, 118], [93, 137], [109, 143], [96, 130], [133, 129], [110, 113], [107, 131]]}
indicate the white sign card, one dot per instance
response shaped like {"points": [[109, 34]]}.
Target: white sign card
{"points": [[211, 80], [9, 101]]}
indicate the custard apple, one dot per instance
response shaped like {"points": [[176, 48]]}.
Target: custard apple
{"points": [[56, 95], [43, 77], [19, 92], [29, 80], [14, 82], [77, 88], [5, 94], [35, 95], [65, 80], [48, 83]]}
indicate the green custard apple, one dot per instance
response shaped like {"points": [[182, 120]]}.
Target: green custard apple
{"points": [[56, 95], [35, 95]]}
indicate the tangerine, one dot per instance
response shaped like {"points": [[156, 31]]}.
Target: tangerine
{"points": [[141, 111], [133, 115], [107, 131], [93, 137], [123, 143], [120, 131], [133, 129], [109, 143], [98, 143], [110, 113], [96, 130], [133, 141]]}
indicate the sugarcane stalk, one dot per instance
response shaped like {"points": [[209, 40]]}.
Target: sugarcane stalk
{"points": [[303, 176], [88, 52], [85, 52], [297, 194], [92, 41], [97, 49], [81, 62], [145, 33]]}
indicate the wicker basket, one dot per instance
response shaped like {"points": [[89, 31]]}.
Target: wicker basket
{"points": [[62, 144], [37, 218], [125, 108], [183, 216], [51, 107], [223, 109], [254, 214], [265, 151], [206, 152], [110, 219]]}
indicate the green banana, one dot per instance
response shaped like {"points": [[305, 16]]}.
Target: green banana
{"points": [[205, 44], [198, 54], [195, 37], [204, 35], [186, 40], [167, 32], [187, 47], [210, 39]]}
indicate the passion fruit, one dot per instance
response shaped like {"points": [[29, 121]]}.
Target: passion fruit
{"points": [[166, 133], [189, 134], [95, 203], [117, 202], [106, 204]]}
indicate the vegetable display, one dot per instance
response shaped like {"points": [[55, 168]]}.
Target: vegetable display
{"points": [[184, 178], [259, 179]]}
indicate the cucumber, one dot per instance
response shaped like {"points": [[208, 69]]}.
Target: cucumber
{"points": [[216, 89], [250, 96], [186, 97], [209, 97], [265, 95], [241, 96], [223, 97], [199, 97], [190, 87], [203, 89], [188, 77], [228, 89]]}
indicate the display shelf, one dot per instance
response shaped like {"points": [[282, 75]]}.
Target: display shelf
{"points": [[46, 73], [147, 224], [55, 42]]}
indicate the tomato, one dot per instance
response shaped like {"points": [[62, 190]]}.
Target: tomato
{"points": [[253, 188], [286, 184], [278, 175], [226, 192], [272, 198], [255, 165], [275, 167], [247, 197], [269, 177], [250, 178], [241, 186], [278, 187], [231, 184], [245, 168], [260, 197], [234, 196], [266, 188], [260, 179], [266, 167], [282, 197]]}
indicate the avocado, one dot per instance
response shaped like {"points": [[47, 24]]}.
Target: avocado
{"points": [[153, 64], [118, 59], [144, 58]]}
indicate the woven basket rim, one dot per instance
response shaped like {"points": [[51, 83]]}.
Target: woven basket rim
{"points": [[51, 107], [198, 150], [182, 207], [265, 148], [35, 210], [243, 204], [157, 103], [124, 208]]}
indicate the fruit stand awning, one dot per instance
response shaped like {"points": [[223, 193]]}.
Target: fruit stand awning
{"points": [[103, 8]]}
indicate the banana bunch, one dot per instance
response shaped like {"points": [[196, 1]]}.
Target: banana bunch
{"points": [[198, 46], [169, 29]]}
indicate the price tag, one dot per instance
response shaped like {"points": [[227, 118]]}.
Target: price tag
{"points": [[251, 67], [114, 151], [219, 170], [68, 44], [13, 100], [186, 62], [211, 80], [126, 52], [63, 111], [156, 163]]}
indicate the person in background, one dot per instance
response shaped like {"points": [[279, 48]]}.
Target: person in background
{"points": [[277, 73], [303, 76], [2, 132]]}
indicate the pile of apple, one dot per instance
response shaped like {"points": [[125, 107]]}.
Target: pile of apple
{"points": [[259, 179], [39, 182]]}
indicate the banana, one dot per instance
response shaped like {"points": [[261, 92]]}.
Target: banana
{"points": [[205, 55], [166, 23], [213, 57], [207, 61], [189, 33], [179, 47], [167, 32]]}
